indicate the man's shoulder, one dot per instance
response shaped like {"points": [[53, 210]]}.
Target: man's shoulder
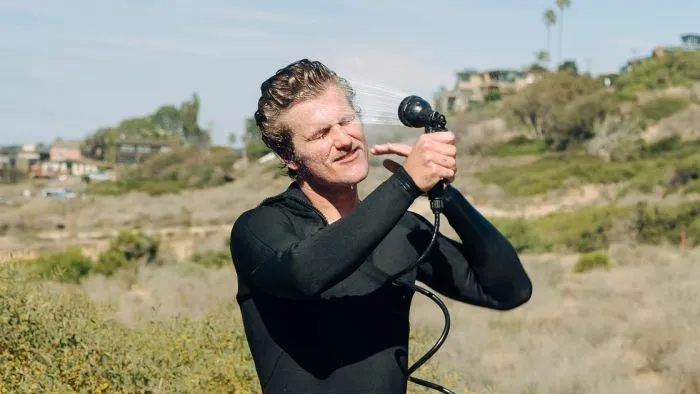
{"points": [[260, 215], [272, 207]]}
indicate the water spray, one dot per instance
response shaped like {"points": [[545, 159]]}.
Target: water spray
{"points": [[416, 112]]}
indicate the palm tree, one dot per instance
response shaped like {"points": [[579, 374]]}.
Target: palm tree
{"points": [[550, 19], [561, 4]]}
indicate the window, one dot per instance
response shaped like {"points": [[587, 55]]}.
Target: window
{"points": [[126, 148], [143, 149]]}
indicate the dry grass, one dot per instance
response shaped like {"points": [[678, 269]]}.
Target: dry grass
{"points": [[630, 330], [215, 205]]}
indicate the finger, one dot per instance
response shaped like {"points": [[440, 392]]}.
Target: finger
{"points": [[439, 147], [445, 173], [446, 137], [444, 161], [391, 165], [447, 149], [392, 148], [441, 172]]}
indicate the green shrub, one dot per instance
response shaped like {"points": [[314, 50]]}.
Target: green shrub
{"points": [[655, 166], [655, 225], [561, 108], [111, 261], [675, 68], [70, 265], [171, 172], [594, 228], [521, 235], [58, 341], [126, 251], [663, 107], [213, 259], [517, 146], [61, 342], [557, 171], [136, 245], [598, 259]]}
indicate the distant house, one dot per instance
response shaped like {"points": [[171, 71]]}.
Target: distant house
{"points": [[474, 87], [65, 151], [8, 156], [27, 155], [136, 151]]}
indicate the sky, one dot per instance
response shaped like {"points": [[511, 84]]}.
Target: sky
{"points": [[69, 67]]}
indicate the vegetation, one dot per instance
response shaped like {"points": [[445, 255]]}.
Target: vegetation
{"points": [[254, 146], [56, 337], [60, 341], [594, 228], [171, 172], [670, 164], [590, 261], [675, 68], [662, 107], [178, 124], [561, 108]]}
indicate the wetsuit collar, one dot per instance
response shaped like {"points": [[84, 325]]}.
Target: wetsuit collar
{"points": [[294, 194]]}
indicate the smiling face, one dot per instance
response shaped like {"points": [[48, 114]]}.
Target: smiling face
{"points": [[328, 140]]}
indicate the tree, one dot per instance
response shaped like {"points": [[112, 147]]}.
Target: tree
{"points": [[192, 133], [562, 5], [168, 122], [542, 59], [561, 107], [569, 66], [254, 146], [550, 19]]}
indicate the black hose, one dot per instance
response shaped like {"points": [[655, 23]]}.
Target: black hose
{"points": [[435, 299]]}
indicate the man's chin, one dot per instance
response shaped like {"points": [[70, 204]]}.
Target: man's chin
{"points": [[351, 177]]}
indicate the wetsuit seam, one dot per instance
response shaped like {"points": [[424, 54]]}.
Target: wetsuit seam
{"points": [[272, 372]]}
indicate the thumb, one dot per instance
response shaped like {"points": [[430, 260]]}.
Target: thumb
{"points": [[391, 165]]}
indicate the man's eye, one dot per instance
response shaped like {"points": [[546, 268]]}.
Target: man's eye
{"points": [[319, 135], [347, 121]]}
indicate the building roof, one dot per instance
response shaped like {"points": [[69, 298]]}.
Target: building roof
{"points": [[67, 144], [8, 150], [135, 141]]}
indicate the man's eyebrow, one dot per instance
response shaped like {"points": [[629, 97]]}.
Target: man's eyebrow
{"points": [[320, 131]]}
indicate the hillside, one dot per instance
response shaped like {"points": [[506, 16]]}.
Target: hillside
{"points": [[597, 187], [563, 150]]}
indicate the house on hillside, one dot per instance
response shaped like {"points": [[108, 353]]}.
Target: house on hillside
{"points": [[133, 151], [65, 151], [21, 157], [8, 156], [28, 155], [689, 43], [474, 87]]}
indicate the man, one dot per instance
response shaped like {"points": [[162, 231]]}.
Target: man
{"points": [[312, 263]]}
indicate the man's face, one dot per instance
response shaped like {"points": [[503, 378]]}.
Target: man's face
{"points": [[328, 140]]}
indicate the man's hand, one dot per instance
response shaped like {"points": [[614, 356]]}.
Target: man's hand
{"points": [[431, 159]]}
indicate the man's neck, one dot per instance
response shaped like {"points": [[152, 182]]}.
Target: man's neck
{"points": [[333, 203]]}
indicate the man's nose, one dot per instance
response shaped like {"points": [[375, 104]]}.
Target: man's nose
{"points": [[341, 139]]}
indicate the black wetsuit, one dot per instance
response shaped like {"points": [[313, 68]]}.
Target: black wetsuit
{"points": [[319, 314]]}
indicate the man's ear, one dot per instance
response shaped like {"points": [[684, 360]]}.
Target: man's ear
{"points": [[292, 165]]}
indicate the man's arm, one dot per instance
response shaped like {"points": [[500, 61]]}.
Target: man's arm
{"points": [[273, 259], [484, 269]]}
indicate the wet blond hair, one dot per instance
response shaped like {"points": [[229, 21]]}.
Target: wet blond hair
{"points": [[299, 81]]}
